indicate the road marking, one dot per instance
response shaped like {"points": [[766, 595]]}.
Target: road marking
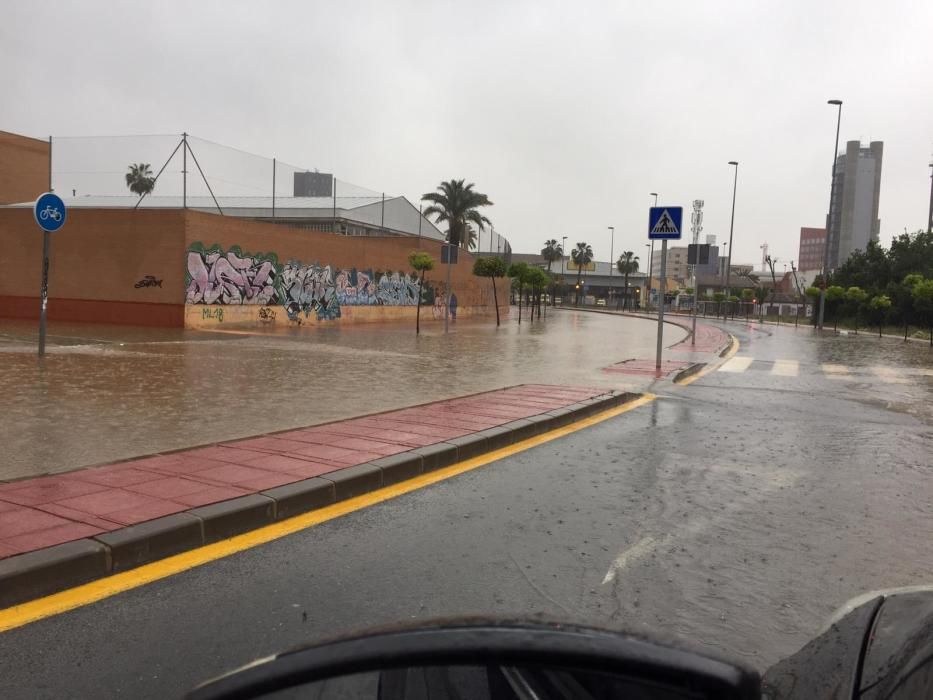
{"points": [[835, 371], [737, 364], [644, 546], [890, 376], [77, 597], [786, 368]]}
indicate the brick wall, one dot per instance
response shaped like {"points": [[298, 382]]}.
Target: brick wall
{"points": [[24, 168], [101, 258]]}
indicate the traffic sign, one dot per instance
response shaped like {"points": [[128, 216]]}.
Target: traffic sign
{"points": [[50, 212], [664, 223]]}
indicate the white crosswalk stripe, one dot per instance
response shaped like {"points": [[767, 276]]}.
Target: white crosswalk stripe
{"points": [[890, 376], [786, 368], [736, 364], [828, 370], [835, 371]]}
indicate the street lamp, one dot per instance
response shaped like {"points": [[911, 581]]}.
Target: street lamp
{"points": [[930, 215], [735, 185], [832, 192], [650, 260], [612, 243], [563, 255]]}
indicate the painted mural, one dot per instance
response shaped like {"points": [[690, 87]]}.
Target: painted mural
{"points": [[234, 277]]}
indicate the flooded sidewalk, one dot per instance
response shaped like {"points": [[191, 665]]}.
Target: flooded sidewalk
{"points": [[106, 393]]}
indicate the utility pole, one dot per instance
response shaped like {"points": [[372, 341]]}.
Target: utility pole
{"points": [[184, 171], [829, 213]]}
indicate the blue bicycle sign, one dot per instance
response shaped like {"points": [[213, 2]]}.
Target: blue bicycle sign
{"points": [[50, 212]]}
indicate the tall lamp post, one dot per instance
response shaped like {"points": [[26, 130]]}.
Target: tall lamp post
{"points": [[650, 262], [930, 215], [832, 192], [735, 185], [563, 256], [612, 243]]}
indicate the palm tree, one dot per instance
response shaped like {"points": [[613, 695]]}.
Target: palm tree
{"points": [[627, 264], [582, 256], [139, 178], [552, 252], [420, 262], [458, 205]]}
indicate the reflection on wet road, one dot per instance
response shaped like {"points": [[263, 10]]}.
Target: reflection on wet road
{"points": [[107, 393], [735, 514]]}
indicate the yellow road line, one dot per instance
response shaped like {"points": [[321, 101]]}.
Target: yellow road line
{"points": [[734, 348], [57, 603]]}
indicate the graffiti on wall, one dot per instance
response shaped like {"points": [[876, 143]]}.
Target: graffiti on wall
{"points": [[234, 277]]}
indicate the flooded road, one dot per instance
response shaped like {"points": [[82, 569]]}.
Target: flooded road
{"points": [[105, 393], [734, 514]]}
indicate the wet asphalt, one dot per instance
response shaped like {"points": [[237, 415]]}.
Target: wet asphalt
{"points": [[735, 513]]}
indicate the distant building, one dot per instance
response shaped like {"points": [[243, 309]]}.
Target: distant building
{"points": [[676, 262], [812, 245], [853, 215]]}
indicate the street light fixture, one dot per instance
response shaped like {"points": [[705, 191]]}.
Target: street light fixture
{"points": [[650, 260], [832, 192], [735, 185]]}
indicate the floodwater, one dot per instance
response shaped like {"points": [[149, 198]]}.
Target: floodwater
{"points": [[105, 393]]}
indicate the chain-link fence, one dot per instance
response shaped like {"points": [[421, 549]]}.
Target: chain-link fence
{"points": [[172, 170]]}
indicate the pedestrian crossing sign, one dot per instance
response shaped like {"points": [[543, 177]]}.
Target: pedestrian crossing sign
{"points": [[664, 223]]}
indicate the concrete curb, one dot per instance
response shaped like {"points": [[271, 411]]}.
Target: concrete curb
{"points": [[46, 571], [688, 372]]}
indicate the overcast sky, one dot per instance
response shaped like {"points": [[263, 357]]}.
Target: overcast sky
{"points": [[566, 114]]}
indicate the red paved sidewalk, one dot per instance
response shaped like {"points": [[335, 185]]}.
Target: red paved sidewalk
{"points": [[647, 368], [708, 338], [41, 512]]}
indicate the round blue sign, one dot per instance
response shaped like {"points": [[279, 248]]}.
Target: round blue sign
{"points": [[50, 212]]}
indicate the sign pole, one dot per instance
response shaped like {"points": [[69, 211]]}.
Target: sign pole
{"points": [[696, 303], [44, 291], [49, 212], [447, 305], [661, 296]]}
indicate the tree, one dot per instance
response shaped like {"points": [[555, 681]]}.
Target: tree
{"points": [[492, 268], [762, 294], [420, 262], [457, 205], [519, 274], [856, 297], [582, 256], [537, 279], [813, 295], [923, 302], [879, 306], [747, 296], [834, 298], [719, 297], [733, 300], [552, 252], [139, 179], [627, 264]]}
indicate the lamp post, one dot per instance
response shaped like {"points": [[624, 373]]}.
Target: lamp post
{"points": [[563, 256], [735, 185], [930, 215], [832, 192], [650, 262], [612, 243]]}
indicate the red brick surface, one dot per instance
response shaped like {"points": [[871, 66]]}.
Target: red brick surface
{"points": [[46, 511]]}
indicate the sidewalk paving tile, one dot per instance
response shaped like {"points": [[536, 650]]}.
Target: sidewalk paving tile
{"points": [[115, 475], [47, 489], [40, 539]]}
